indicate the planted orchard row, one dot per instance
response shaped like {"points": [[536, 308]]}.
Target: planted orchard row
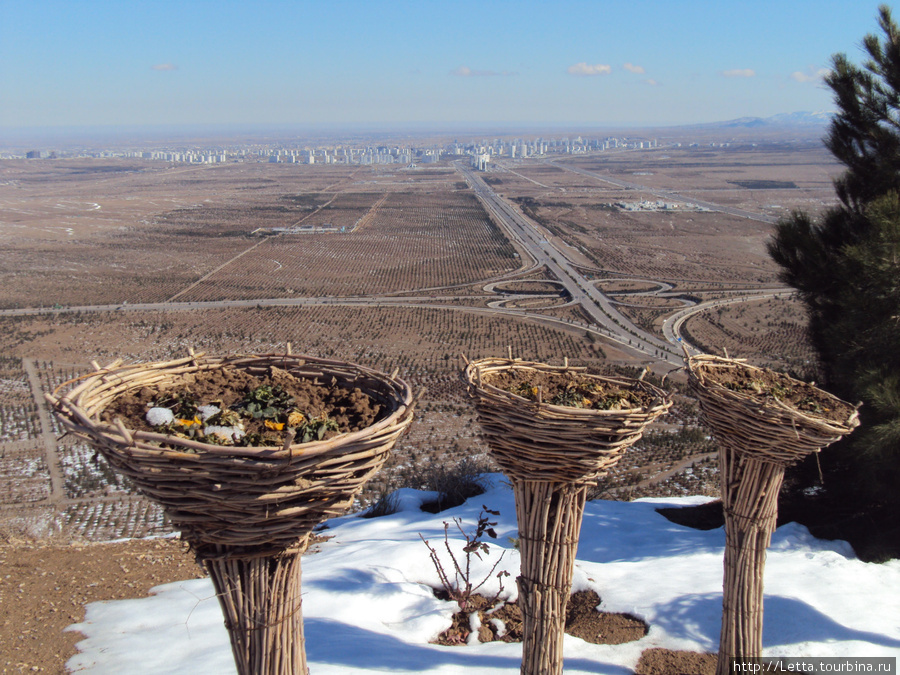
{"points": [[415, 338], [19, 421], [145, 263], [23, 477], [85, 474], [14, 391], [129, 517], [662, 246], [765, 331], [403, 247]]}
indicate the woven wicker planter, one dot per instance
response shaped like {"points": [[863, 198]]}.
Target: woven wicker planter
{"points": [[552, 455], [246, 511], [758, 438]]}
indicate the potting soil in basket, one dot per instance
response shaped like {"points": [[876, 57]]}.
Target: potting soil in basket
{"points": [[230, 407], [570, 389], [766, 385]]}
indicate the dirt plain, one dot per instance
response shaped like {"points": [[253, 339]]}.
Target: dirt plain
{"points": [[141, 260]]}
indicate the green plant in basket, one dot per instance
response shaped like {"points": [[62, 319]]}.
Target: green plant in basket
{"points": [[572, 397], [316, 428], [267, 402], [526, 390]]}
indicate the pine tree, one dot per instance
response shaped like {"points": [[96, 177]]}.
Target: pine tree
{"points": [[845, 265]]}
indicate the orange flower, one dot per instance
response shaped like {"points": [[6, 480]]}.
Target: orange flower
{"points": [[274, 426]]}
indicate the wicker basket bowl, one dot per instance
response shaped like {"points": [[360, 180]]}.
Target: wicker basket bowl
{"points": [[553, 443], [762, 427], [252, 501]]}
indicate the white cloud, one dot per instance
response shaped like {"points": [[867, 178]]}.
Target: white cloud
{"points": [[587, 69], [652, 82], [631, 68], [164, 66], [739, 72], [811, 75], [465, 71]]}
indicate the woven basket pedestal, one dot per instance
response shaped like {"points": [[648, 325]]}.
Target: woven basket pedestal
{"points": [[757, 441], [246, 512], [552, 455]]}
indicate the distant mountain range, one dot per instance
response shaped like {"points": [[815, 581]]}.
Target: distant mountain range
{"points": [[795, 119]]}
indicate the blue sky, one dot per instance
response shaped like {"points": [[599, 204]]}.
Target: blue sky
{"points": [[348, 62]]}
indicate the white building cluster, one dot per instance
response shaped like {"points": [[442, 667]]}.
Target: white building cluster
{"points": [[482, 152], [540, 147], [659, 205], [186, 157]]}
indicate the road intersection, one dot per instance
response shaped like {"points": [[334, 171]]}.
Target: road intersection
{"points": [[602, 316]]}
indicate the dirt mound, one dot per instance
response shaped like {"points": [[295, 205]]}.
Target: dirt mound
{"points": [[600, 628], [503, 622], [708, 516]]}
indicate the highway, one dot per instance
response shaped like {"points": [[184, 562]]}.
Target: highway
{"points": [[595, 303], [603, 317]]}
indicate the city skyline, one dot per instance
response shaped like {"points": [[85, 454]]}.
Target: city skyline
{"points": [[524, 64]]}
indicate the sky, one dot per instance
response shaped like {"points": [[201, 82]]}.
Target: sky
{"points": [[393, 63]]}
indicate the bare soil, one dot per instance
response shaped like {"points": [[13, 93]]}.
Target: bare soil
{"points": [[350, 410], [659, 661], [45, 586]]}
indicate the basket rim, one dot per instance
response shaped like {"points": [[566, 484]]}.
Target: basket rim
{"points": [[495, 364], [697, 363], [73, 414]]}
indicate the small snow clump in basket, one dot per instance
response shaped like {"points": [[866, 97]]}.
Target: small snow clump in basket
{"points": [[227, 434], [207, 411], [160, 416]]}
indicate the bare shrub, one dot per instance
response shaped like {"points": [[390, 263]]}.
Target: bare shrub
{"points": [[463, 587], [386, 504], [454, 484]]}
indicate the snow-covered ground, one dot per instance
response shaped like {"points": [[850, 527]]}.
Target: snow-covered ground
{"points": [[368, 605]]}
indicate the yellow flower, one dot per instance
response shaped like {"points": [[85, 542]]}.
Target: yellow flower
{"points": [[295, 419], [190, 423], [274, 426]]}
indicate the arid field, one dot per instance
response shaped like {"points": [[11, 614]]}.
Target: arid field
{"points": [[387, 266]]}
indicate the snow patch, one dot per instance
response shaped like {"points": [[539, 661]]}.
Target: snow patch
{"points": [[368, 604]]}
